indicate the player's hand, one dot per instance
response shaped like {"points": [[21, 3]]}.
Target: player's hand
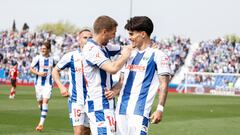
{"points": [[126, 50], [64, 92], [42, 74], [109, 94], [156, 117], [154, 46]]}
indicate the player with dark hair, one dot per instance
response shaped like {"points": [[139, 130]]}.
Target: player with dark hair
{"points": [[146, 71], [42, 66]]}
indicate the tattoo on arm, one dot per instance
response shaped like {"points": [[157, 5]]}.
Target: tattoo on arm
{"points": [[118, 86], [163, 88]]}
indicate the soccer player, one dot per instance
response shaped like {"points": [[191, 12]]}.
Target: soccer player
{"points": [[13, 75], [98, 69], [42, 66], [77, 87], [146, 71]]}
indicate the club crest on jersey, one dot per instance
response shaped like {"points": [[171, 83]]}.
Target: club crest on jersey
{"points": [[145, 58], [77, 120]]}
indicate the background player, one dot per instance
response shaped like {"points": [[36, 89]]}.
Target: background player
{"points": [[42, 66], [13, 75], [77, 87]]}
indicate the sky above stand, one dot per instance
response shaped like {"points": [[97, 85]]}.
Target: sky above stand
{"points": [[197, 19]]}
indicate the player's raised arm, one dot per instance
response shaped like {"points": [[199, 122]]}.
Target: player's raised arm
{"points": [[115, 66]]}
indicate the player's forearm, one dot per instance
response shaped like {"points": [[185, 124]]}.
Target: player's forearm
{"points": [[32, 70], [116, 88], [114, 67], [163, 90], [56, 78], [118, 64], [119, 85]]}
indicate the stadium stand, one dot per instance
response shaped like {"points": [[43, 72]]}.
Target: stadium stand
{"points": [[23, 46], [216, 56]]}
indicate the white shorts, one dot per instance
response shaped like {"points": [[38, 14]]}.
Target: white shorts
{"points": [[77, 115], [102, 122], [131, 125], [43, 92]]}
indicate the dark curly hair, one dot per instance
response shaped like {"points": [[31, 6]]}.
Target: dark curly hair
{"points": [[140, 23]]}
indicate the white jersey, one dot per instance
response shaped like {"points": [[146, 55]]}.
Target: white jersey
{"points": [[43, 64], [141, 81], [98, 79], [77, 87]]}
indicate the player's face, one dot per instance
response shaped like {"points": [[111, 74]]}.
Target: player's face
{"points": [[136, 38], [83, 37], [44, 50], [108, 35]]}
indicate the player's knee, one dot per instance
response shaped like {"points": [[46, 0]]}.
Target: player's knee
{"points": [[86, 131], [77, 130], [45, 101]]}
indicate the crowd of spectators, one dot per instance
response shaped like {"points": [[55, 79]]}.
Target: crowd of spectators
{"points": [[216, 56], [177, 49], [22, 46]]}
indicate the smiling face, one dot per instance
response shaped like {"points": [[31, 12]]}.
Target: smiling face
{"points": [[136, 38], [140, 29], [45, 51]]}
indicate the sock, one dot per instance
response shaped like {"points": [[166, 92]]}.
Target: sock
{"points": [[43, 113], [12, 93]]}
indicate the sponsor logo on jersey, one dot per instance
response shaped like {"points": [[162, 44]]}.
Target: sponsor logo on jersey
{"points": [[136, 67], [46, 67]]}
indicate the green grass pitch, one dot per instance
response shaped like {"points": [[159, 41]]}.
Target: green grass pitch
{"points": [[184, 114]]}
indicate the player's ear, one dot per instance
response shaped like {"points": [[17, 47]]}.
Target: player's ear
{"points": [[143, 34], [103, 31]]}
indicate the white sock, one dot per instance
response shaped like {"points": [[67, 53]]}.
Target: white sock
{"points": [[43, 113]]}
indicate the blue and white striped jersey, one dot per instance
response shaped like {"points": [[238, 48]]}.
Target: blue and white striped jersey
{"points": [[77, 86], [98, 79], [141, 81], [43, 64]]}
